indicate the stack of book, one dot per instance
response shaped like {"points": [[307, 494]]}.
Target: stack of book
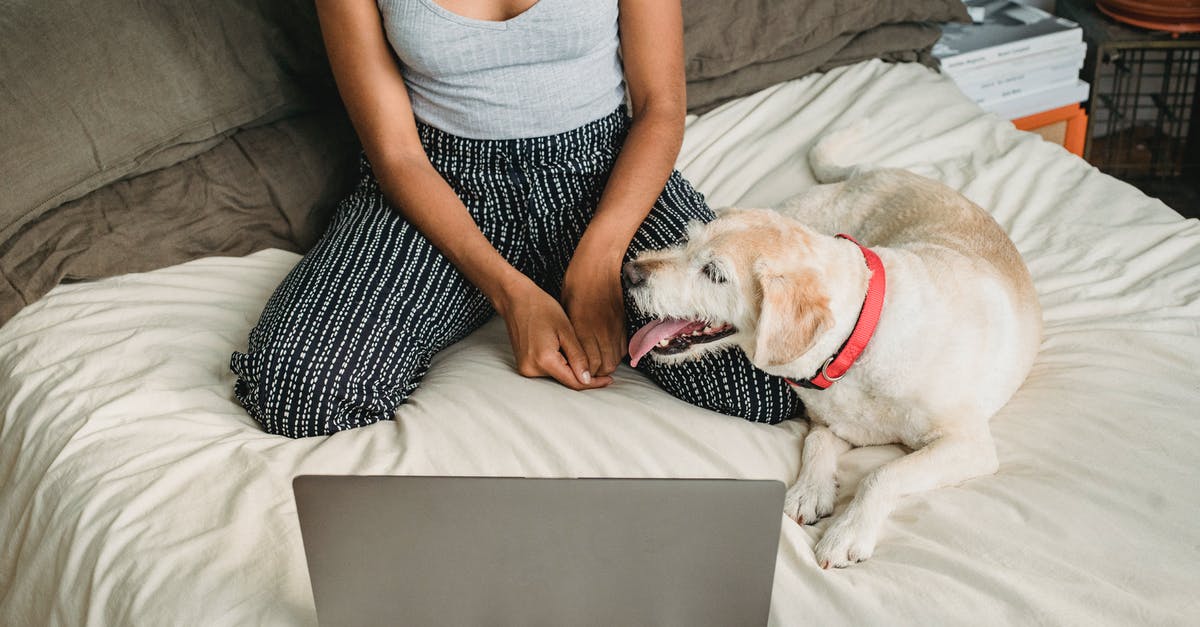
{"points": [[1014, 60]]}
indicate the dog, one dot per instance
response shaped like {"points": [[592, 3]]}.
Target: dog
{"points": [[932, 306]]}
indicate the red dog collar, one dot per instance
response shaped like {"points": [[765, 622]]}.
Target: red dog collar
{"points": [[836, 366]]}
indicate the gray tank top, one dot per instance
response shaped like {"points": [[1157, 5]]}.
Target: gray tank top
{"points": [[548, 70]]}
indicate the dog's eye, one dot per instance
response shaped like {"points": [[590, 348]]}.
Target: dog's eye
{"points": [[713, 273]]}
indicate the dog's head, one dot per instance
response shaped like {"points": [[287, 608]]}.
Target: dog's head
{"points": [[747, 279]]}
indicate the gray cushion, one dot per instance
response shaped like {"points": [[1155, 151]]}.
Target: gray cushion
{"points": [[97, 90], [735, 48], [271, 186]]}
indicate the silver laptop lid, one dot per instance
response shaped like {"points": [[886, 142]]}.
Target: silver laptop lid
{"points": [[385, 550]]}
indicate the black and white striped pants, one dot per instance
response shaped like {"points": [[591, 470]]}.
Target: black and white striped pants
{"points": [[349, 333]]}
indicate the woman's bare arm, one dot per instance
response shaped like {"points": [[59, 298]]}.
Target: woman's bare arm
{"points": [[652, 53], [375, 96]]}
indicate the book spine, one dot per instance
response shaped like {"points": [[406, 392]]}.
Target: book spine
{"points": [[1012, 49], [1022, 82], [1038, 101], [1024, 63]]}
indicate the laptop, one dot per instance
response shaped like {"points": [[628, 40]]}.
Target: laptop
{"points": [[463, 551]]}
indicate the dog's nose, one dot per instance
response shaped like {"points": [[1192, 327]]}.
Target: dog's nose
{"points": [[631, 276]]}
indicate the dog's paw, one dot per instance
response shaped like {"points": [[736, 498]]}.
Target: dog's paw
{"points": [[843, 544], [810, 500]]}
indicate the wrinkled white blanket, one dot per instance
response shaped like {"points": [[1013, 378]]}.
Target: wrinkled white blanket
{"points": [[136, 491]]}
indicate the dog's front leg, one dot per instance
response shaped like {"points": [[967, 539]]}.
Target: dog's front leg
{"points": [[815, 491], [950, 459]]}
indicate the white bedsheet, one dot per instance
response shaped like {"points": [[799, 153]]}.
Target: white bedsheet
{"points": [[136, 491]]}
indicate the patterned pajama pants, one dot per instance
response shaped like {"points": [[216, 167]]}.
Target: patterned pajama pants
{"points": [[349, 333]]}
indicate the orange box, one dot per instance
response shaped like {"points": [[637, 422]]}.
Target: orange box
{"points": [[1066, 126]]}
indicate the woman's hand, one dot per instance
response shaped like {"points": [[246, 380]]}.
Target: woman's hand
{"points": [[543, 340], [594, 303]]}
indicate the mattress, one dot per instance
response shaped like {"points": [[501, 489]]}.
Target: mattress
{"points": [[137, 491]]}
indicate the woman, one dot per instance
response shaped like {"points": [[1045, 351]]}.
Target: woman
{"points": [[501, 174]]}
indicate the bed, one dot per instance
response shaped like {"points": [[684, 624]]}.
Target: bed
{"points": [[136, 490]]}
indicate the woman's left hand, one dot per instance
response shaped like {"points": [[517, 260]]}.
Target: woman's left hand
{"points": [[594, 303]]}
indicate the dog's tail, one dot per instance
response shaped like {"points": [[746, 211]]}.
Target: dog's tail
{"points": [[834, 157]]}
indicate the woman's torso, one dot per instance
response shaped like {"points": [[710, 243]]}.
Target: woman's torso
{"points": [[550, 69]]}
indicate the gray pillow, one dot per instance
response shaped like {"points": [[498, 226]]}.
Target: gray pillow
{"points": [[272, 186], [97, 90], [735, 48]]}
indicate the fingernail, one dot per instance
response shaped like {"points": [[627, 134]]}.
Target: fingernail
{"points": [[587, 377]]}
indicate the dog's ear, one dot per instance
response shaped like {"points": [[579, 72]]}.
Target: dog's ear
{"points": [[794, 311]]}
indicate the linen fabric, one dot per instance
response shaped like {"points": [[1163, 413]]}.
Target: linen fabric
{"points": [[272, 186], [907, 42], [550, 69], [95, 91], [137, 491], [350, 332], [736, 48]]}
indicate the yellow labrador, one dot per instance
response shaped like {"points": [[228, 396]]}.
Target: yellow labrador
{"points": [[956, 328]]}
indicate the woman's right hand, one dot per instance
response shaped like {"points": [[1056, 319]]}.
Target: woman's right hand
{"points": [[543, 339]]}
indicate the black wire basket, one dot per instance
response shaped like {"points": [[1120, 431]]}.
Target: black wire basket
{"points": [[1144, 110]]}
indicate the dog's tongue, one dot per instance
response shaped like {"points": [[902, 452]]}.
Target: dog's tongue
{"points": [[651, 334]]}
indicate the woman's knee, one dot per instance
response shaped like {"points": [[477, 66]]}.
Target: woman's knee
{"points": [[292, 395], [728, 383]]}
